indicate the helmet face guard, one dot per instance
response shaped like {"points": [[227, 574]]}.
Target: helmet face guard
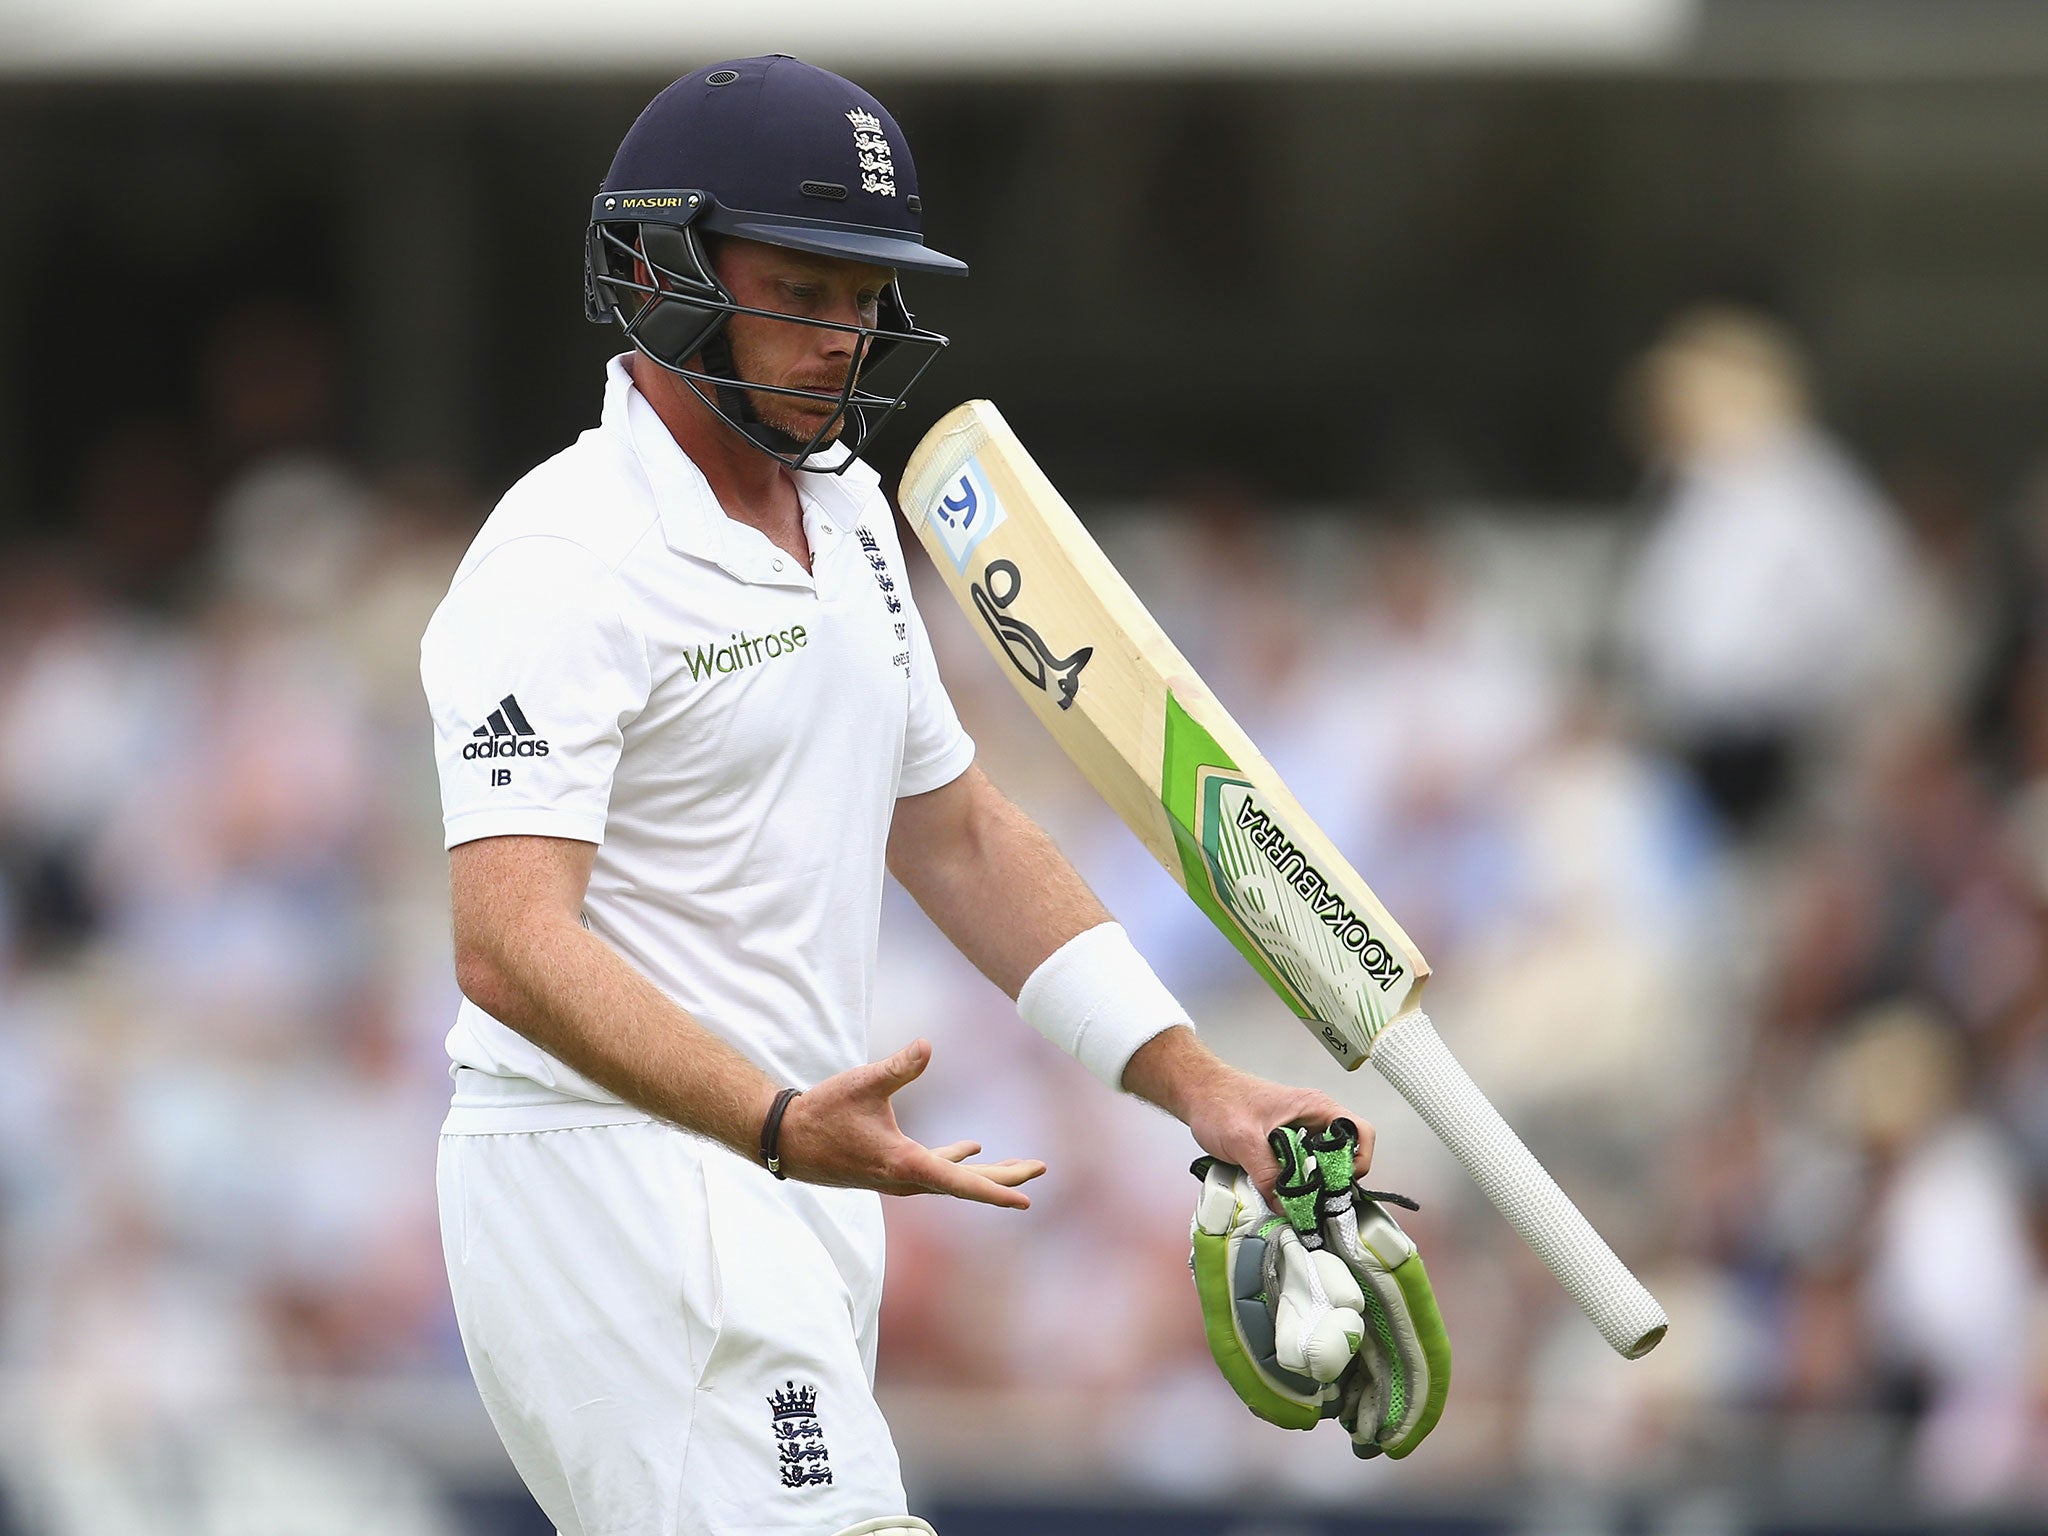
{"points": [[645, 267]]}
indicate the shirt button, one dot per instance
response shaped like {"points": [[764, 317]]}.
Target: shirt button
{"points": [[778, 565]]}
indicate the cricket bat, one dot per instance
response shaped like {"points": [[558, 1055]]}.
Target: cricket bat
{"points": [[1107, 682]]}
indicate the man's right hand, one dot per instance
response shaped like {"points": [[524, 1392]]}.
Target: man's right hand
{"points": [[844, 1132]]}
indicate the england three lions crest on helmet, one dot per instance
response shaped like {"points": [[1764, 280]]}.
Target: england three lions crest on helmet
{"points": [[877, 164]]}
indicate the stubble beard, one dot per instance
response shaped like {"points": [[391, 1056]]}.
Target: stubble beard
{"points": [[781, 413], [777, 413]]}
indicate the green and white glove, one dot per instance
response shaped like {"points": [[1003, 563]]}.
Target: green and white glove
{"points": [[1392, 1395], [1325, 1312], [1284, 1318]]}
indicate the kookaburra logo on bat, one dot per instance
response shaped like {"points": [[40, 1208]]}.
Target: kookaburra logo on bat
{"points": [[1027, 650]]}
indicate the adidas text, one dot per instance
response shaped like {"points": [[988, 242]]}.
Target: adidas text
{"points": [[506, 746]]}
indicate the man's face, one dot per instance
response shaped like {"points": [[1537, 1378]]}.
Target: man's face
{"points": [[804, 356]]}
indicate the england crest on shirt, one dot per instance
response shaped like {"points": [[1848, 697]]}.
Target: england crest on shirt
{"points": [[799, 1437]]}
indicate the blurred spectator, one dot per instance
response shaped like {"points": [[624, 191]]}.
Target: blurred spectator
{"points": [[292, 515], [1774, 599], [83, 694], [1949, 1203]]}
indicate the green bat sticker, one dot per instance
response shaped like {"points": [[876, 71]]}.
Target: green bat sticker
{"points": [[1258, 883]]}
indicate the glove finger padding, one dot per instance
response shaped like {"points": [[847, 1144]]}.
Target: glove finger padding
{"points": [[1318, 1309], [1393, 1393], [1254, 1280]]}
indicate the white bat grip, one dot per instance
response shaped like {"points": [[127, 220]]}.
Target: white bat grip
{"points": [[1412, 1057]]}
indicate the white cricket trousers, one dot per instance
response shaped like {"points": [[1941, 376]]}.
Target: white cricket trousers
{"points": [[670, 1341]]}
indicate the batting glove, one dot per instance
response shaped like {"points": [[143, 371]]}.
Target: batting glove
{"points": [[1284, 1317]]}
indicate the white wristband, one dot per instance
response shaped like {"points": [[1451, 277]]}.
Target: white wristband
{"points": [[1096, 999]]}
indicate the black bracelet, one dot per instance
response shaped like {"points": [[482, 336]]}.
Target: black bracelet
{"points": [[771, 1131]]}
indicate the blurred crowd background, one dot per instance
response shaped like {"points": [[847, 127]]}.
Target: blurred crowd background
{"points": [[1616, 499]]}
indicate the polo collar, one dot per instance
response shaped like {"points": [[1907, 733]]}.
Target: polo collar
{"points": [[693, 523]]}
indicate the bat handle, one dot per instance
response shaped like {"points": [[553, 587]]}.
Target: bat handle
{"points": [[1411, 1056]]}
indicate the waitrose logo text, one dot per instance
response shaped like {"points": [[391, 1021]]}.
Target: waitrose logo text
{"points": [[742, 651]]}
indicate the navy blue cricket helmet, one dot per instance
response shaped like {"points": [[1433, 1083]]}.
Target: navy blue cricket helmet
{"points": [[774, 150]]}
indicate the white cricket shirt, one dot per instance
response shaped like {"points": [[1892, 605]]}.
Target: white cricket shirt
{"points": [[620, 663]]}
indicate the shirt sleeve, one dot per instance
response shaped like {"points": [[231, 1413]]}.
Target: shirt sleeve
{"points": [[936, 747], [533, 669]]}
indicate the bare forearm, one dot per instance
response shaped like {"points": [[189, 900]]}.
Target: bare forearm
{"points": [[1175, 1070], [999, 888], [523, 956], [580, 1000]]}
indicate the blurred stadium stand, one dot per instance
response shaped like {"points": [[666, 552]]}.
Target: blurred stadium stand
{"points": [[1363, 363]]}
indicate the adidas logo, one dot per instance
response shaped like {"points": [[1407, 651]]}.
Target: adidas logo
{"points": [[506, 732]]}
